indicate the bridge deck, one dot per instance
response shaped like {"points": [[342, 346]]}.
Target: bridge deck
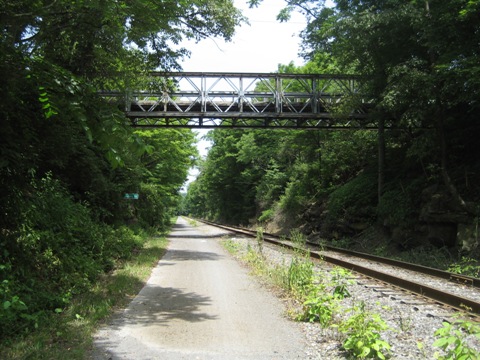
{"points": [[208, 100]]}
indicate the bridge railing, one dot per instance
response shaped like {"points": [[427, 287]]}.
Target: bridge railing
{"points": [[192, 99]]}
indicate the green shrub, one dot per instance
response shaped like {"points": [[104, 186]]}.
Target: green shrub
{"points": [[319, 306], [299, 276], [340, 281], [293, 200], [56, 253], [153, 208], [394, 206], [352, 202], [428, 255], [363, 330], [12, 308], [298, 238], [266, 216], [466, 266], [452, 339], [399, 202]]}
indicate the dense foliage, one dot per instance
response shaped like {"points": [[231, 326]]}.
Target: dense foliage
{"points": [[67, 158], [415, 179]]}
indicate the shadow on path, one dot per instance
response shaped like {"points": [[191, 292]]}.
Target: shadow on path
{"points": [[156, 305], [187, 236], [185, 255]]}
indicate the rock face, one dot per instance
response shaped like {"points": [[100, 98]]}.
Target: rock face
{"points": [[468, 236], [440, 221], [442, 216]]}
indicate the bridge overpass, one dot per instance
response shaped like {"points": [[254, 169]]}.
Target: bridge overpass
{"points": [[245, 100]]}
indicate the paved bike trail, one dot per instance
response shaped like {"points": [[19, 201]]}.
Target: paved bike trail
{"points": [[200, 303]]}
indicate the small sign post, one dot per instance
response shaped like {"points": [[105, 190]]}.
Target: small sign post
{"points": [[132, 196]]}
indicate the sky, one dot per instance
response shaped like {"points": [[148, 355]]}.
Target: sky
{"points": [[258, 47]]}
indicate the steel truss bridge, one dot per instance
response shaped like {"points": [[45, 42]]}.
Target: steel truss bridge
{"points": [[245, 100]]}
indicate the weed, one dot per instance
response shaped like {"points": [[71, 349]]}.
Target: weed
{"points": [[381, 250], [256, 261], [299, 276], [298, 238], [231, 246], [427, 256], [345, 243], [259, 239], [405, 324], [322, 304], [363, 334], [266, 216], [67, 332], [319, 306], [340, 279], [192, 222], [452, 339], [421, 348], [466, 266]]}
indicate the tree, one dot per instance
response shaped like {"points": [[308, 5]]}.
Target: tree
{"points": [[93, 37], [418, 55], [55, 55], [164, 169]]}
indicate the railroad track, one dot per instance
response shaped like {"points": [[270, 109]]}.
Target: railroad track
{"points": [[445, 291]]}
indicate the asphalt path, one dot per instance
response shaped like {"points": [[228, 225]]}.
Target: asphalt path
{"points": [[200, 304]]}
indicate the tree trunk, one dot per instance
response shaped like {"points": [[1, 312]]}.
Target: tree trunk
{"points": [[444, 170], [381, 156]]}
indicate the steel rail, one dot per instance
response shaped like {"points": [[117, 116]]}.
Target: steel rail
{"points": [[463, 279], [438, 296]]}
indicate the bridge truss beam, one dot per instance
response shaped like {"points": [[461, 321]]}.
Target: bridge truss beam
{"points": [[245, 100]]}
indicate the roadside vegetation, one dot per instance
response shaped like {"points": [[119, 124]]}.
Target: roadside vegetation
{"points": [[67, 332]]}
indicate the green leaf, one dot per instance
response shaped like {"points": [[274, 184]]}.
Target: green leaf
{"points": [[452, 340], [442, 343], [365, 352]]}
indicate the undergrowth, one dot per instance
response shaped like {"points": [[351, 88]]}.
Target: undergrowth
{"points": [[320, 296], [453, 337], [231, 246], [67, 332], [363, 333]]}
